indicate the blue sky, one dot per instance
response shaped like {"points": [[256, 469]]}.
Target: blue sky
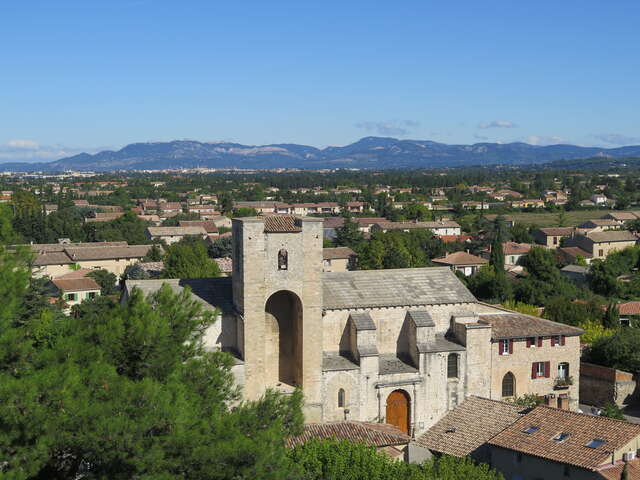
{"points": [[87, 75]]}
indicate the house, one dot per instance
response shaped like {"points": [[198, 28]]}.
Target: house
{"points": [[265, 207], [370, 345], [527, 203], [462, 262], [441, 227], [50, 208], [209, 226], [601, 244], [508, 220], [57, 259], [622, 217], [513, 252], [339, 259], [599, 225], [174, 234], [504, 194], [167, 208], [549, 443], [465, 430], [74, 290], [599, 199], [550, 237], [571, 255], [629, 313], [575, 273], [103, 217], [225, 264]]}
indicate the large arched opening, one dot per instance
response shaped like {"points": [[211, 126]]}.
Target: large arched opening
{"points": [[399, 410], [508, 385], [283, 339]]}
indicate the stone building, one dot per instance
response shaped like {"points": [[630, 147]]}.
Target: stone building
{"points": [[397, 346]]}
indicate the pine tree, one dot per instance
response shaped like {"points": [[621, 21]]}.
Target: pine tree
{"points": [[611, 318]]}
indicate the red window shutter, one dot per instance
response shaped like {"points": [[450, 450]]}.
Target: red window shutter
{"points": [[562, 340], [553, 341], [510, 347], [547, 369], [501, 347], [529, 340], [533, 369], [539, 341]]}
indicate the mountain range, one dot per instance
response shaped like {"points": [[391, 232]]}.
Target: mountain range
{"points": [[368, 152]]}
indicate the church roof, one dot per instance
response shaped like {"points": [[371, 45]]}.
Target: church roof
{"points": [[211, 292], [393, 288]]}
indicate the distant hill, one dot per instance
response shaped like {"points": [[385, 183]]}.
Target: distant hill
{"points": [[368, 152]]}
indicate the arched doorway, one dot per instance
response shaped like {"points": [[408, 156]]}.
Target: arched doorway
{"points": [[508, 385], [399, 410], [283, 339]]}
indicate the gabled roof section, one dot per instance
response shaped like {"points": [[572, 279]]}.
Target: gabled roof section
{"points": [[519, 325], [612, 236], [461, 258], [421, 318], [211, 292], [393, 288], [573, 450], [362, 321], [470, 425], [369, 433], [281, 224]]}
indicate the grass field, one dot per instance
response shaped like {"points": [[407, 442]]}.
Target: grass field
{"points": [[549, 219]]}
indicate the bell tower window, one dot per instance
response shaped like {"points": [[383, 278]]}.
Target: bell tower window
{"points": [[283, 260]]}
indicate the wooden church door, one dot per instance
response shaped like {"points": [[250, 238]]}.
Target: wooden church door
{"points": [[398, 410]]}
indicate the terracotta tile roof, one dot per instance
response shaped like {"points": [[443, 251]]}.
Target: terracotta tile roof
{"points": [[208, 225], [600, 222], [614, 471], [172, 231], [281, 224], [629, 308], [455, 238], [225, 264], [369, 433], [338, 252], [461, 258], [581, 428], [470, 425], [107, 253], [612, 236], [76, 284], [51, 258], [333, 222], [557, 232], [519, 325], [513, 248], [80, 273], [573, 252]]}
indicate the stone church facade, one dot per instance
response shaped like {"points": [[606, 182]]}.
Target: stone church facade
{"points": [[397, 346]]}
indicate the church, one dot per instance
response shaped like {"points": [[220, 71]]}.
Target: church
{"points": [[396, 346]]}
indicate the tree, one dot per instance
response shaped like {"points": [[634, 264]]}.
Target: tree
{"points": [[136, 272], [245, 212], [611, 410], [130, 392], [188, 258], [611, 318], [348, 235], [490, 286], [154, 254], [106, 280], [222, 247], [529, 400], [341, 459], [620, 350], [625, 472]]}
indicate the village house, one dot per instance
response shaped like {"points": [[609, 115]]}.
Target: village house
{"points": [[622, 217], [174, 234], [601, 244], [74, 290], [441, 227], [57, 259], [462, 262], [599, 225], [513, 252], [401, 347], [338, 259], [527, 203], [551, 237], [599, 199]]}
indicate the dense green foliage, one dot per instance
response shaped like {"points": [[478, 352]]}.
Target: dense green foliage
{"points": [[619, 350], [127, 392], [332, 460], [188, 258]]}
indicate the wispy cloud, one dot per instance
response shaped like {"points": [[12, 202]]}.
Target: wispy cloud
{"points": [[543, 140], [616, 139], [392, 127], [497, 124], [26, 150]]}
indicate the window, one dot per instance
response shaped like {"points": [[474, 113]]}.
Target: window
{"points": [[561, 437], [341, 398], [70, 296], [505, 347], [283, 260], [540, 369], [452, 365], [531, 429], [600, 253], [595, 443], [563, 370], [92, 295], [531, 342], [508, 385], [555, 240]]}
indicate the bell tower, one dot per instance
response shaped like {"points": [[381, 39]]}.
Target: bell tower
{"points": [[277, 290]]}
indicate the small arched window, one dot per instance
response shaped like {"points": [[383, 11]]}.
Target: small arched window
{"points": [[341, 398], [283, 260], [452, 365], [508, 385]]}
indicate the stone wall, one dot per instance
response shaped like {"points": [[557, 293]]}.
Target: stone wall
{"points": [[602, 385]]}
